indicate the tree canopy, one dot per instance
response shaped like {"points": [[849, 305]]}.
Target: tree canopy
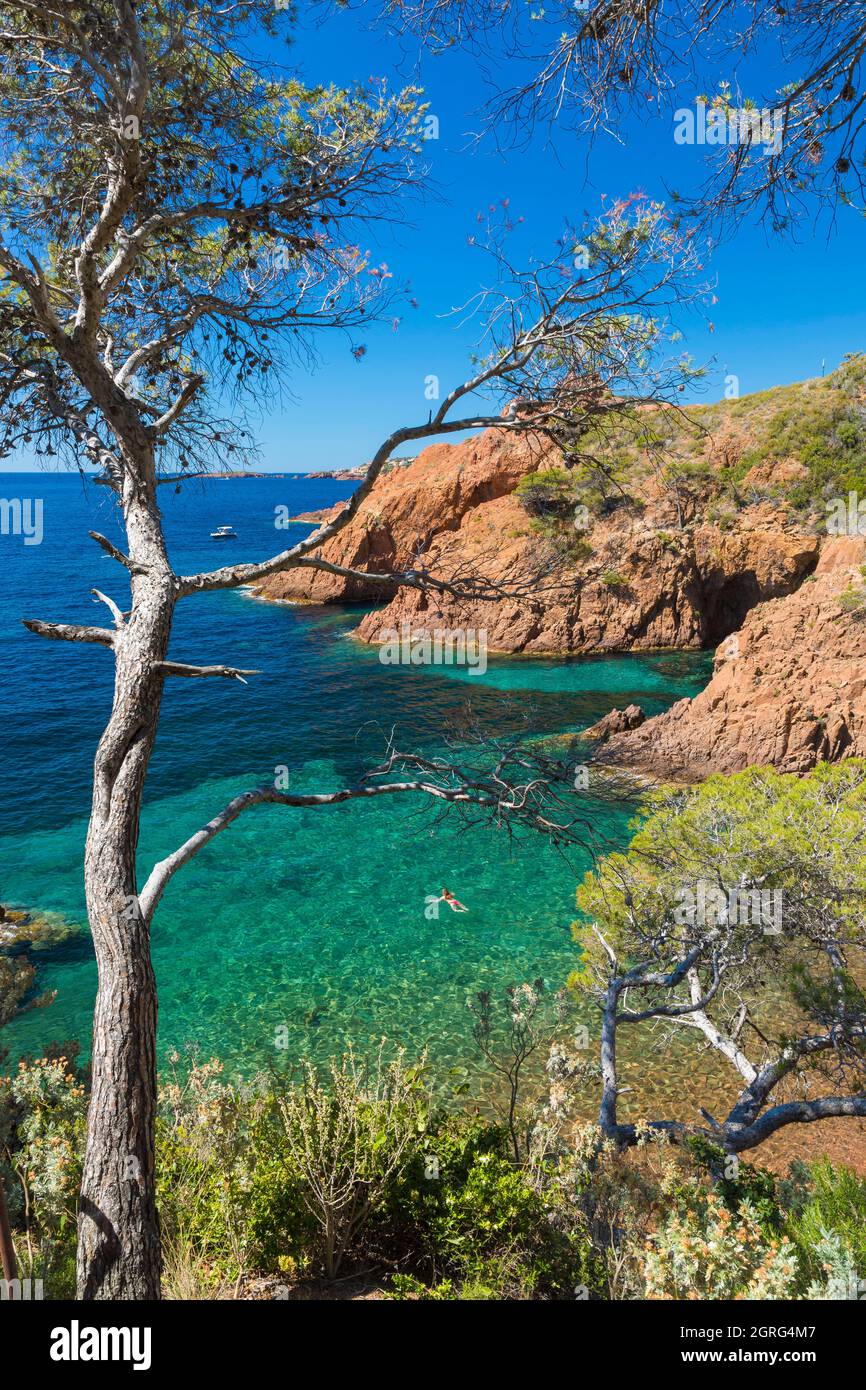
{"points": [[591, 65], [744, 883], [176, 215]]}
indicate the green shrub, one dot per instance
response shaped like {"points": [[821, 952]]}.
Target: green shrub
{"points": [[547, 494], [836, 1202], [839, 1277], [737, 1182], [614, 580], [282, 1231], [473, 1225], [853, 601], [349, 1134], [42, 1119], [550, 498], [193, 1197]]}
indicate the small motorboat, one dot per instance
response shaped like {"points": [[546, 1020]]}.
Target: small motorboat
{"points": [[224, 533]]}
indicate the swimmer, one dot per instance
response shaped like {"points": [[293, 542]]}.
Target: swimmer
{"points": [[449, 898]]}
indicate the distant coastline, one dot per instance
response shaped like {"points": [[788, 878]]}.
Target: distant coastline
{"points": [[340, 475]]}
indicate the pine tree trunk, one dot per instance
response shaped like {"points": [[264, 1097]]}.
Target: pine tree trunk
{"points": [[7, 1249], [118, 1245]]}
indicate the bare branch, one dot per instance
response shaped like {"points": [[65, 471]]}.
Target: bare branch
{"points": [[119, 618], [180, 668], [165, 870], [232, 576], [511, 795], [795, 1112], [70, 632], [116, 554], [189, 392]]}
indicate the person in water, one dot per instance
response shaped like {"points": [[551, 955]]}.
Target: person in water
{"points": [[449, 898]]}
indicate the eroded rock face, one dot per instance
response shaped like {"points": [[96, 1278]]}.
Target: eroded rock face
{"points": [[412, 508], [783, 607], [645, 582], [788, 689]]}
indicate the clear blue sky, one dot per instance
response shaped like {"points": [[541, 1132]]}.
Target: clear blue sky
{"points": [[782, 307]]}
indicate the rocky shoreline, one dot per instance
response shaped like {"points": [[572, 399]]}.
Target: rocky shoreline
{"points": [[788, 689], [657, 567]]}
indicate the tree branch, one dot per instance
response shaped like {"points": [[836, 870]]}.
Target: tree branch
{"points": [[119, 618], [164, 871], [232, 576], [180, 668], [116, 554], [504, 802], [70, 632], [790, 1113]]}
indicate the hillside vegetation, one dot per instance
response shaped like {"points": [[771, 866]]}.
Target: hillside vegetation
{"points": [[796, 447]]}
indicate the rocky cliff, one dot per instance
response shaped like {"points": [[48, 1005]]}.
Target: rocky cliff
{"points": [[631, 579], [788, 689], [412, 509], [675, 529], [641, 587]]}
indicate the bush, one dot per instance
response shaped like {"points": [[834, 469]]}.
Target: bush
{"points": [[349, 1168], [835, 1202], [475, 1225], [282, 1231], [349, 1137], [838, 1278], [547, 494], [737, 1182], [853, 601], [42, 1119], [614, 580], [707, 1251], [210, 1144]]}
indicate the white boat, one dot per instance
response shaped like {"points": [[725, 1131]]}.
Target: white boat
{"points": [[224, 533]]}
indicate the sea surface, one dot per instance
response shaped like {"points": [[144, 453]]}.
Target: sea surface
{"points": [[305, 928]]}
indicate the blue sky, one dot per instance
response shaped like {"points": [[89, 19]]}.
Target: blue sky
{"points": [[783, 307]]}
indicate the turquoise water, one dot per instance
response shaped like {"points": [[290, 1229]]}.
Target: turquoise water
{"points": [[311, 921]]}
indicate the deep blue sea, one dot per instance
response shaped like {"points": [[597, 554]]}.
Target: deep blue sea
{"points": [[313, 920]]}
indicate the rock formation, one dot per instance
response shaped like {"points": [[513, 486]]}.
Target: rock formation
{"points": [[411, 509], [711, 536], [641, 586], [619, 721], [788, 689]]}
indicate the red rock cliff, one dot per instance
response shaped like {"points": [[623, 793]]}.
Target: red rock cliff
{"points": [[642, 586], [788, 689]]}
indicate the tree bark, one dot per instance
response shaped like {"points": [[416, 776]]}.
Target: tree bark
{"points": [[7, 1249], [119, 1248]]}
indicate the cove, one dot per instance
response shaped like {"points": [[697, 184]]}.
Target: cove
{"points": [[303, 926]]}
